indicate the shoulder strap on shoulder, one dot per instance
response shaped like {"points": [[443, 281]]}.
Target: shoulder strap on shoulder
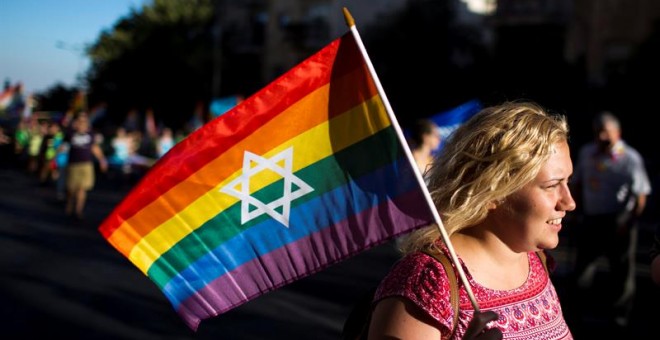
{"points": [[453, 284]]}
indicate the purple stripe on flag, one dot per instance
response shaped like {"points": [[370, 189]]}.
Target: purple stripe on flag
{"points": [[292, 262]]}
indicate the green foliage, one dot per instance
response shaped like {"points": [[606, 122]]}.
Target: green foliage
{"points": [[132, 31], [159, 57], [57, 98]]}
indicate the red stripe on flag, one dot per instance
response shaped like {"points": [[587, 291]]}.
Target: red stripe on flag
{"points": [[191, 154]]}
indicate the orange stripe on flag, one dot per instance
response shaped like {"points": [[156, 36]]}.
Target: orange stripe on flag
{"points": [[305, 114]]}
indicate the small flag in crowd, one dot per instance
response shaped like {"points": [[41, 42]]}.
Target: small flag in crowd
{"points": [[449, 120], [220, 106], [305, 173], [6, 97]]}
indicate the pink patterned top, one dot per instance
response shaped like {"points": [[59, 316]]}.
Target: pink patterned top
{"points": [[531, 311]]}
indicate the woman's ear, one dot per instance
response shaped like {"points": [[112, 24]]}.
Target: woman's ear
{"points": [[494, 204]]}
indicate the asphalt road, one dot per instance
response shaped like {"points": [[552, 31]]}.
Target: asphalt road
{"points": [[60, 278]]}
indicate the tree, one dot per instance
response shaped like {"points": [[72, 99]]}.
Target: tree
{"points": [[158, 58], [56, 98]]}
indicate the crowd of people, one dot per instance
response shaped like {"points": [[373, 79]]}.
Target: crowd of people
{"points": [[67, 153]]}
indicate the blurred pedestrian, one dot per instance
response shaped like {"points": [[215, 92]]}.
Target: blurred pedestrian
{"points": [[424, 141], [4, 138], [80, 175], [122, 148], [21, 140], [612, 185], [47, 152], [61, 159], [165, 142], [38, 129], [500, 183]]}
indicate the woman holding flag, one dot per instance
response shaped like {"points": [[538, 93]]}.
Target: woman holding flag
{"points": [[216, 233], [500, 184]]}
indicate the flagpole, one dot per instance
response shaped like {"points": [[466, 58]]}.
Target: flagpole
{"points": [[418, 174]]}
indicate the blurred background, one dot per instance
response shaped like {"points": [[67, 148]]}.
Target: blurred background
{"points": [[176, 58]]}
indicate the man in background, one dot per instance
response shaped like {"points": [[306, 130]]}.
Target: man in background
{"points": [[611, 184]]}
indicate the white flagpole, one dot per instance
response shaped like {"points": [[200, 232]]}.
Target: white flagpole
{"points": [[418, 174]]}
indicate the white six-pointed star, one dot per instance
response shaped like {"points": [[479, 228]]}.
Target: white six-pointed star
{"points": [[240, 187]]}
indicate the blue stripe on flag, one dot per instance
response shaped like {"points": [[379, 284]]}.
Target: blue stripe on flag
{"points": [[306, 219]]}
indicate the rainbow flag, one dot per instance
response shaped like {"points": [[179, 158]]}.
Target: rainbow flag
{"points": [[305, 173]]}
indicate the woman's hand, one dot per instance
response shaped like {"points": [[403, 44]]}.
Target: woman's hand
{"points": [[477, 327]]}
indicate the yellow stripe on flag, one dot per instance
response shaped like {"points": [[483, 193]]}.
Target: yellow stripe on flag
{"points": [[309, 148]]}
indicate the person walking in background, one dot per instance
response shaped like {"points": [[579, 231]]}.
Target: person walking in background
{"points": [[47, 152], [500, 184], [80, 165], [4, 138], [61, 159], [21, 140], [38, 129], [424, 141], [165, 142], [612, 186], [122, 148]]}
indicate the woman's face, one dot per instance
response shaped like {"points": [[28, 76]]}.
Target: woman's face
{"points": [[433, 139], [531, 218], [608, 135]]}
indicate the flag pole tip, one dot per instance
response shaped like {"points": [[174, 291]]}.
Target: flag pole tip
{"points": [[349, 18]]}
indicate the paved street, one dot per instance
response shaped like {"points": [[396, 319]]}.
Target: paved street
{"points": [[59, 278]]}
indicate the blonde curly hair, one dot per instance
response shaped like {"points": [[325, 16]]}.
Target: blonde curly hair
{"points": [[492, 155]]}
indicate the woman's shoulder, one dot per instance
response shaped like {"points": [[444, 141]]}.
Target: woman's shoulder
{"points": [[415, 263], [422, 279]]}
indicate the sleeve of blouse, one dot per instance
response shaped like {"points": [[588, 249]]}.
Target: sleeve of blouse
{"points": [[422, 280]]}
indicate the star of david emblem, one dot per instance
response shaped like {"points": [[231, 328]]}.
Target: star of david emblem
{"points": [[252, 207]]}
